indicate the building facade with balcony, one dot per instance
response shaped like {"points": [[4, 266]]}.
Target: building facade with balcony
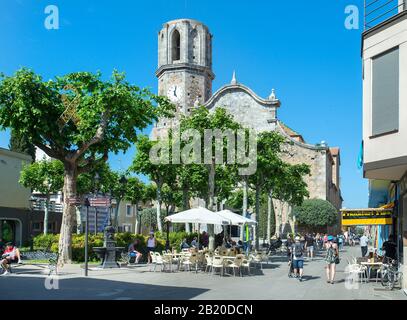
{"points": [[384, 54], [21, 216]]}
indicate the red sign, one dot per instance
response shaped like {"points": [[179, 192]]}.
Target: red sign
{"points": [[74, 201]]}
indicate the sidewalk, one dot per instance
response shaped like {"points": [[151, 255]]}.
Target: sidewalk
{"points": [[137, 282]]}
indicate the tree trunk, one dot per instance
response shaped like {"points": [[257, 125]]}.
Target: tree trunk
{"points": [[269, 211], [278, 218], [46, 212], [159, 226], [137, 223], [256, 233], [185, 201], [65, 239], [116, 214], [244, 206], [211, 228]]}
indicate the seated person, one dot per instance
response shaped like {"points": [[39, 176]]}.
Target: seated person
{"points": [[10, 255], [390, 248], [133, 252], [227, 244], [239, 246], [194, 243], [184, 244]]}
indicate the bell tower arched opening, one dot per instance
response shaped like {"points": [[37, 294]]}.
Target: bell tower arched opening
{"points": [[176, 46]]}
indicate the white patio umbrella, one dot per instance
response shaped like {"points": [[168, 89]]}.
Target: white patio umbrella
{"points": [[200, 216], [236, 219]]}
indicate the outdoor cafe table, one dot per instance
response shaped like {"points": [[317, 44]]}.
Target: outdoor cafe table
{"points": [[370, 266]]}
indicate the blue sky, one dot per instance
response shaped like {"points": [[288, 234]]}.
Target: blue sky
{"points": [[300, 48]]}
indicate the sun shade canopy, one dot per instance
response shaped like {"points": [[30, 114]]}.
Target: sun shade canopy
{"points": [[198, 215], [236, 219]]}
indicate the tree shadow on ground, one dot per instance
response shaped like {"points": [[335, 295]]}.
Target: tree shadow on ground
{"points": [[34, 288], [309, 278]]}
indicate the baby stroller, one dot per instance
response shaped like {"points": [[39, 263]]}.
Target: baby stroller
{"points": [[291, 273]]}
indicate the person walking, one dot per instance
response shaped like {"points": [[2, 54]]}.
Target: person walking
{"points": [[325, 240], [364, 242], [331, 259], [151, 245], [309, 246], [340, 241], [297, 250]]}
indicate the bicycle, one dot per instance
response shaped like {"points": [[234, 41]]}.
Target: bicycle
{"points": [[391, 274]]}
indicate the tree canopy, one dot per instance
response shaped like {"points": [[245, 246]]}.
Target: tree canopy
{"points": [[21, 144], [316, 213], [77, 118]]}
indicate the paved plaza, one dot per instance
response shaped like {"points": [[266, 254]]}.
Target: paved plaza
{"points": [[30, 282]]}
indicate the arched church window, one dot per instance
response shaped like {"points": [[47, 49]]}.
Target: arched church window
{"points": [[176, 46]]}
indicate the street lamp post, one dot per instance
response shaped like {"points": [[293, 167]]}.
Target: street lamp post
{"points": [[167, 242], [96, 192], [87, 205], [122, 192], [32, 202]]}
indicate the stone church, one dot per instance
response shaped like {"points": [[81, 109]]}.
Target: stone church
{"points": [[185, 76]]}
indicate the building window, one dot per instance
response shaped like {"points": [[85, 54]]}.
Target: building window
{"points": [[37, 227], [128, 210], [385, 92], [126, 227], [176, 46]]}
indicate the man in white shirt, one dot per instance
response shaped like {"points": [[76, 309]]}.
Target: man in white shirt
{"points": [[364, 242]]}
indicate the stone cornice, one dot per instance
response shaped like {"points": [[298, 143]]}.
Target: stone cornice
{"points": [[183, 66], [270, 103]]}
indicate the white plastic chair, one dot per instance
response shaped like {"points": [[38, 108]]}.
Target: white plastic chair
{"points": [[209, 260], [153, 260], [191, 260], [236, 264], [217, 263], [158, 261], [245, 264]]}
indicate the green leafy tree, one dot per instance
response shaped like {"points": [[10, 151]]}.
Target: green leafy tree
{"points": [[235, 200], [77, 119], [316, 213], [158, 173], [46, 177], [289, 187], [269, 168], [221, 177], [136, 193], [172, 199], [21, 144]]}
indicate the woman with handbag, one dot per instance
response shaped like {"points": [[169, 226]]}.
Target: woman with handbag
{"points": [[331, 259]]}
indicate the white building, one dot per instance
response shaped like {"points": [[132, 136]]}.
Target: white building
{"points": [[384, 54]]}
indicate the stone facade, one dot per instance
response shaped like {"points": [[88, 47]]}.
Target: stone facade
{"points": [[185, 76], [184, 67]]}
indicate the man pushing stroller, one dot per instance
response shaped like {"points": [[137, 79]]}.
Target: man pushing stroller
{"points": [[296, 263]]}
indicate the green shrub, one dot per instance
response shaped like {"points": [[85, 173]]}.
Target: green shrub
{"points": [[124, 239], [43, 242]]}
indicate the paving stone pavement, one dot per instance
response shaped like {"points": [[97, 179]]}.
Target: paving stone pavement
{"points": [[137, 282]]}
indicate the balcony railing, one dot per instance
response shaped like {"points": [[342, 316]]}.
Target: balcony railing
{"points": [[39, 205], [378, 11]]}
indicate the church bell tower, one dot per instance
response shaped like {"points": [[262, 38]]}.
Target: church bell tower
{"points": [[184, 67]]}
